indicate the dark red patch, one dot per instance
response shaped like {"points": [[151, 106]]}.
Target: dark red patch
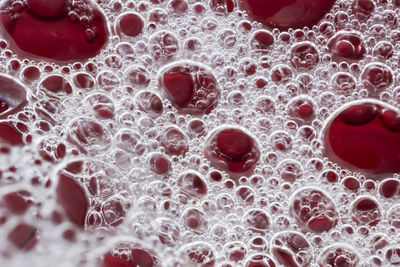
{"points": [[365, 211], [9, 134], [364, 137], [190, 87], [363, 8], [150, 103], [23, 236], [56, 84], [347, 45], [286, 14], [304, 56], [313, 210], [339, 255], [72, 197], [232, 149], [130, 24], [260, 260], [389, 187], [12, 96], [45, 29], [142, 258], [351, 183], [262, 40], [16, 202], [159, 163], [234, 143], [291, 249], [180, 88], [111, 261]]}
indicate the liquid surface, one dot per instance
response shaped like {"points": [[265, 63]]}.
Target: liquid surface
{"points": [[54, 30], [364, 137], [288, 13], [212, 133]]}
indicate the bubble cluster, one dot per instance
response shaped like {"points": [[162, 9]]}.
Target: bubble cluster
{"points": [[199, 133]]}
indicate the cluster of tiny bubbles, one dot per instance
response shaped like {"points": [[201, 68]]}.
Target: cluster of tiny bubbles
{"points": [[115, 136]]}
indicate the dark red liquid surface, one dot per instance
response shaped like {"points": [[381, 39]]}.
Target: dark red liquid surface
{"points": [[23, 236], [233, 150], [286, 14], [347, 46], [191, 88], [365, 137], [9, 134], [313, 210], [111, 261], [72, 197], [45, 29], [339, 255]]}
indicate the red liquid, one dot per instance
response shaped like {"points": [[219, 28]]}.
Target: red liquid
{"points": [[347, 46], [9, 134], [301, 110], [365, 137], [351, 183], [222, 6], [291, 249], [377, 77], [139, 258], [286, 14], [101, 105], [393, 216], [159, 163], [72, 197], [113, 211], [23, 236], [389, 187], [130, 24], [339, 255], [304, 56], [12, 96], [51, 149], [306, 208], [392, 255], [142, 258], [88, 135], [344, 83], [84, 81], [95, 197], [56, 85], [363, 8], [16, 201], [194, 219], [46, 30], [150, 103], [111, 261], [233, 150], [366, 211], [262, 40], [190, 87], [260, 260]]}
